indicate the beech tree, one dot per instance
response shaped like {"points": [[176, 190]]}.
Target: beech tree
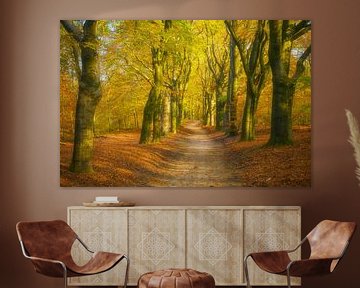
{"points": [[151, 130], [230, 123], [89, 93], [217, 65], [283, 33], [70, 73], [217, 62], [208, 98], [178, 69], [177, 72], [252, 59]]}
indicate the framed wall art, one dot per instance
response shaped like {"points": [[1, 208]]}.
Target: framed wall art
{"points": [[185, 103]]}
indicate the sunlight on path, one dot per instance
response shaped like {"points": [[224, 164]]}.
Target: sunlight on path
{"points": [[201, 160]]}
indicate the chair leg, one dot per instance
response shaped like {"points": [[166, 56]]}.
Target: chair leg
{"points": [[65, 276], [127, 271], [288, 278], [246, 270]]}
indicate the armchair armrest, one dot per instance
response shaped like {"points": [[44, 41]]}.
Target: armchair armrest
{"points": [[49, 267], [279, 252], [309, 267], [271, 261], [84, 245], [298, 246]]}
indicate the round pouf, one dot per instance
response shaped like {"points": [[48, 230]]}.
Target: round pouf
{"points": [[176, 278]]}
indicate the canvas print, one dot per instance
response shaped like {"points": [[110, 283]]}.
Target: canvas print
{"points": [[185, 103]]}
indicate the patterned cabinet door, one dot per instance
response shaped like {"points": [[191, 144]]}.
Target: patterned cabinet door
{"points": [[101, 230], [156, 240], [269, 230], [214, 244]]}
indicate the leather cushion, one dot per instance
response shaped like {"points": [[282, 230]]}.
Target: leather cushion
{"points": [[176, 278]]}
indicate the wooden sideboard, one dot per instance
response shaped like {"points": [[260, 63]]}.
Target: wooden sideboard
{"points": [[212, 239]]}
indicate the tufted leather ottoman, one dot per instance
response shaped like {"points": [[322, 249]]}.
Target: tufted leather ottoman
{"points": [[176, 278]]}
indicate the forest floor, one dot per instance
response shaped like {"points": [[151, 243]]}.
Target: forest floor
{"points": [[194, 157]]}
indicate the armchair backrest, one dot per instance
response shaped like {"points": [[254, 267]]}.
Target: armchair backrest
{"points": [[329, 239], [46, 239]]}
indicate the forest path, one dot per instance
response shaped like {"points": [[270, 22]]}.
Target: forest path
{"points": [[194, 157], [200, 160]]}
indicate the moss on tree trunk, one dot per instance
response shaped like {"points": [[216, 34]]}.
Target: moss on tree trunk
{"points": [[89, 95], [282, 36], [248, 119]]}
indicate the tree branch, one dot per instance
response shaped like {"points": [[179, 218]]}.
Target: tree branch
{"points": [[210, 64], [239, 46], [300, 64], [264, 67], [76, 54], [89, 29], [74, 31], [256, 46], [139, 72], [300, 29]]}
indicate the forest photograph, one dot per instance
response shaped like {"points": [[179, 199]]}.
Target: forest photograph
{"points": [[185, 103]]}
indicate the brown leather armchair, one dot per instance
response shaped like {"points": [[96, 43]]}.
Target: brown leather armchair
{"points": [[48, 245], [328, 242]]}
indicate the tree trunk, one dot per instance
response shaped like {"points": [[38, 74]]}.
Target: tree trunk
{"points": [[279, 57], [281, 39], [157, 115], [88, 97], [166, 114], [248, 119], [230, 113], [219, 106], [173, 113], [180, 112], [146, 127], [217, 64], [255, 70], [151, 126], [281, 116]]}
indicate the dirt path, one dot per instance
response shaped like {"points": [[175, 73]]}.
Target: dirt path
{"points": [[194, 157], [200, 160]]}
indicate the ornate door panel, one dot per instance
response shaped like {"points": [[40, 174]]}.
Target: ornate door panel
{"points": [[157, 240], [214, 241], [268, 230], [101, 230]]}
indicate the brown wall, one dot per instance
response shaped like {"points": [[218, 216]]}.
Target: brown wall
{"points": [[29, 119]]}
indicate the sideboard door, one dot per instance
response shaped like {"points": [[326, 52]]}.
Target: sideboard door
{"points": [[101, 230], [269, 230], [214, 244], [156, 240]]}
